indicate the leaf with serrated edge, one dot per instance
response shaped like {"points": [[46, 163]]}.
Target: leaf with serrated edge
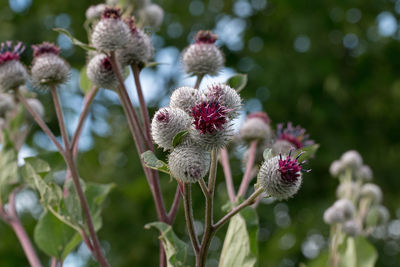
{"points": [[238, 81], [307, 152], [151, 161]]}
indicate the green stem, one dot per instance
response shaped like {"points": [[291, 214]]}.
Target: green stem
{"points": [[187, 204]]}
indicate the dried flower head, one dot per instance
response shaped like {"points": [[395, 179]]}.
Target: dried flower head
{"points": [[12, 73], [227, 96], [185, 98], [189, 163], [100, 72]]}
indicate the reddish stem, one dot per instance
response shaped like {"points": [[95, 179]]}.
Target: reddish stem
{"points": [[224, 159], [249, 167]]}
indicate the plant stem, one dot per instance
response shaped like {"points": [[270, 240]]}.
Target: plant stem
{"points": [[175, 205], [53, 262], [249, 167], [60, 118], [224, 158], [187, 204], [198, 81]]}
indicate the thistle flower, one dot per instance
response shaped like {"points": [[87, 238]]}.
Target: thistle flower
{"points": [[37, 106], [139, 49], [189, 163], [281, 177], [95, 11], [100, 72], [203, 57], [166, 123], [227, 96], [295, 135], [282, 147], [211, 127], [185, 98], [352, 159], [364, 173], [152, 15], [12, 73], [48, 69], [6, 104], [351, 228], [371, 191], [110, 33], [256, 128]]}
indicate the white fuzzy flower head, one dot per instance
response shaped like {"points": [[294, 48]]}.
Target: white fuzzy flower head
{"points": [[333, 215], [95, 11], [364, 173], [336, 168], [189, 163], [203, 57], [346, 207], [282, 147], [372, 192], [152, 15], [139, 49], [37, 106], [12, 73], [280, 177], [256, 127], [347, 190], [351, 228], [111, 32], [185, 98], [100, 72], [48, 69], [166, 123], [226, 96], [6, 104], [352, 159]]}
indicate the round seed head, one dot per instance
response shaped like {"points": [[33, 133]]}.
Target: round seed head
{"points": [[185, 98], [351, 228], [166, 123], [189, 163], [295, 135], [100, 73], [372, 192], [37, 106], [352, 159], [6, 104], [255, 129], [95, 11], [227, 97], [333, 215], [336, 168], [214, 140], [282, 147], [111, 32], [346, 207], [364, 173], [280, 177], [152, 15], [12, 73]]}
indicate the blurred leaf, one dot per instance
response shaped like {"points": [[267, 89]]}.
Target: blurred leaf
{"points": [[73, 205], [8, 167], [320, 261], [267, 154], [95, 195], [39, 165], [357, 252], [238, 81], [151, 161], [17, 121], [153, 64], [307, 152], [240, 245], [178, 138], [54, 237], [74, 40], [84, 82], [175, 249]]}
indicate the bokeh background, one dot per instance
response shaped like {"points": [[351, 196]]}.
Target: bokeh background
{"points": [[331, 66]]}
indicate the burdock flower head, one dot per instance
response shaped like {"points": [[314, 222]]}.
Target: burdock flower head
{"points": [[185, 98], [281, 177], [100, 72], [48, 69], [226, 96], [111, 32], [139, 49], [152, 15], [256, 127], [12, 73], [203, 57], [290, 138]]}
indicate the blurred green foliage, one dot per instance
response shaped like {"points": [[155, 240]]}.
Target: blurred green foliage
{"points": [[298, 66]]}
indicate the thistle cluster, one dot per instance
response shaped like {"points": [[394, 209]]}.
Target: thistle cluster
{"points": [[358, 209]]}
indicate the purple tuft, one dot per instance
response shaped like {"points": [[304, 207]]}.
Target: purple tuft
{"points": [[45, 48], [261, 115], [290, 169], [209, 116], [295, 135], [111, 13], [163, 116], [205, 37], [106, 64], [8, 52], [131, 24]]}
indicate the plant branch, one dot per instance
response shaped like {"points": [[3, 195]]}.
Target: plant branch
{"points": [[249, 167], [60, 117], [224, 159], [175, 205], [198, 81], [187, 204]]}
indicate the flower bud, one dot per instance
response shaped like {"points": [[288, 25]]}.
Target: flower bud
{"points": [[282, 147], [203, 57], [189, 163], [296, 136], [372, 192], [336, 168], [12, 73], [364, 173], [352, 159], [111, 32], [185, 98], [227, 97], [48, 69], [139, 49], [280, 177], [346, 207], [351, 228], [152, 15], [100, 72], [95, 11], [255, 129], [333, 215], [37, 106], [6, 104], [166, 123]]}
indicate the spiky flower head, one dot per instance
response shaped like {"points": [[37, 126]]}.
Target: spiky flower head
{"points": [[139, 49], [352, 159], [100, 72], [185, 98], [281, 177], [37, 106], [372, 192], [167, 123], [189, 163], [295, 135], [12, 73], [111, 32], [152, 15], [351, 228], [95, 11], [48, 69], [255, 128], [227, 96], [203, 57], [6, 104]]}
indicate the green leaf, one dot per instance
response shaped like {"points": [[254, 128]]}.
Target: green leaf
{"points": [[240, 245], [95, 195], [84, 81], [9, 175], [320, 261], [74, 40], [178, 138], [39, 165], [267, 154], [238, 81], [357, 252], [307, 152], [54, 237], [153, 64], [151, 161], [175, 249], [73, 209]]}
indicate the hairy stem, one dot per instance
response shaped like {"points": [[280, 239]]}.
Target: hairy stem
{"points": [[175, 205], [224, 158], [198, 81], [249, 167], [60, 117], [187, 204]]}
